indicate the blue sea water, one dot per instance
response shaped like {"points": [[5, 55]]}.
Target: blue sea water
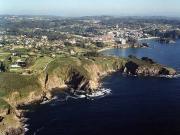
{"points": [[137, 105], [167, 54]]}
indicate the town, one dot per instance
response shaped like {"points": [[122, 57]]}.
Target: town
{"points": [[29, 43]]}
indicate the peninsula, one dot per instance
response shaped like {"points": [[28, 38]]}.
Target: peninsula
{"points": [[40, 55], [78, 73]]}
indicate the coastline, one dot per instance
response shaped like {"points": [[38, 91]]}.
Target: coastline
{"points": [[126, 46], [149, 38], [20, 112], [104, 66], [106, 48], [121, 47]]}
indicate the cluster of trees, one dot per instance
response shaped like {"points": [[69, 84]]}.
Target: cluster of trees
{"points": [[173, 34], [92, 54], [138, 21], [3, 67], [146, 59], [151, 61], [52, 35], [38, 34], [100, 44], [26, 27], [80, 30]]}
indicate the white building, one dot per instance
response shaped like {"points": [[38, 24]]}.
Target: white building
{"points": [[15, 66], [121, 41]]}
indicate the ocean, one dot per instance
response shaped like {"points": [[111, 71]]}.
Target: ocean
{"points": [[136, 105]]}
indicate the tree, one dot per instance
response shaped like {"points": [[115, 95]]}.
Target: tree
{"points": [[2, 67], [92, 54]]}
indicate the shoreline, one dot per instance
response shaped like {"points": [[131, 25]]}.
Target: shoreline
{"points": [[47, 95], [106, 48], [100, 89], [126, 46], [121, 47], [20, 112], [149, 38]]}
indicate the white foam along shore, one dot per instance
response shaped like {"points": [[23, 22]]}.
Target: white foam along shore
{"points": [[98, 93], [170, 76], [48, 101], [101, 92]]}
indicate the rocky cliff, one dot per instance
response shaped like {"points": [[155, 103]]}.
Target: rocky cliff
{"points": [[80, 74], [147, 67], [67, 72]]}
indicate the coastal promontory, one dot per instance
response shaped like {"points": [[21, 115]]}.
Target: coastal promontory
{"points": [[64, 73]]}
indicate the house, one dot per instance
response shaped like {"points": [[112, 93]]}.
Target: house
{"points": [[72, 41], [72, 52]]}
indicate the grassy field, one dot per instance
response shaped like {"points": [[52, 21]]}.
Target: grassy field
{"points": [[66, 65], [3, 56], [3, 104], [142, 62], [9, 121], [62, 66], [110, 62], [11, 82], [40, 64]]}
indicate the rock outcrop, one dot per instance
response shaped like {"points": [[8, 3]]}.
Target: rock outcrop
{"points": [[1, 118], [147, 68], [81, 74], [15, 131]]}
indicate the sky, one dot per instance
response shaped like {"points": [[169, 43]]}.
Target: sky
{"points": [[91, 7]]}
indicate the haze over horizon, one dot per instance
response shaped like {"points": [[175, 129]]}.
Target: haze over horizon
{"points": [[76, 8]]}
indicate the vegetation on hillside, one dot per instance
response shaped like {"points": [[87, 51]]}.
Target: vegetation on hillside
{"points": [[11, 82]]}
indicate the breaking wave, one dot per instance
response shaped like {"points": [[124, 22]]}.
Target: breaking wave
{"points": [[170, 76], [102, 92]]}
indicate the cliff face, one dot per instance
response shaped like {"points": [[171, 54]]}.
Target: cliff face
{"points": [[80, 74], [73, 72], [153, 71], [84, 74]]}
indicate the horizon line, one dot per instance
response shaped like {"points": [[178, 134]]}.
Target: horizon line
{"points": [[78, 16]]}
